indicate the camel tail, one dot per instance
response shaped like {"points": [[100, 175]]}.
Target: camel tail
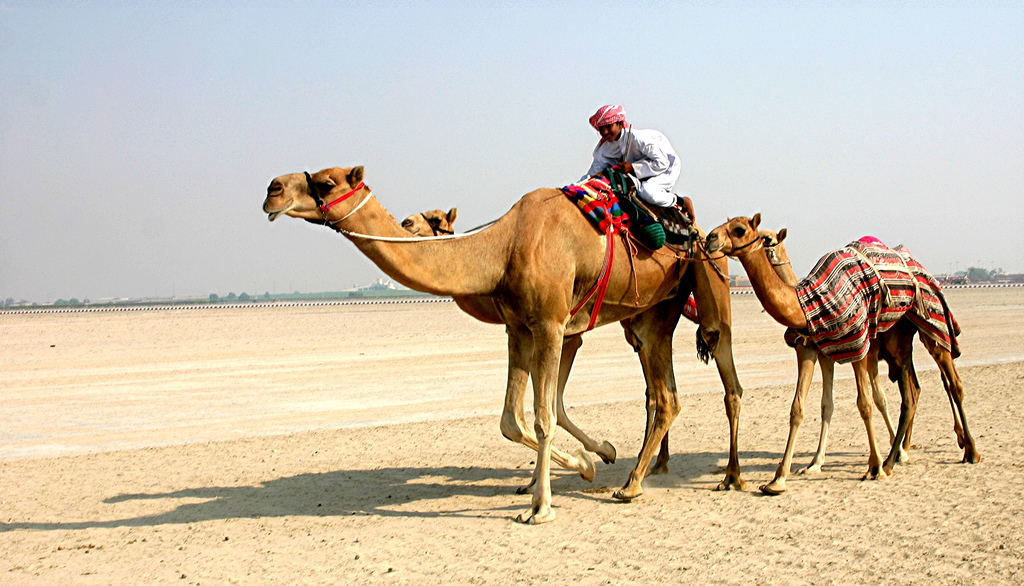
{"points": [[703, 348]]}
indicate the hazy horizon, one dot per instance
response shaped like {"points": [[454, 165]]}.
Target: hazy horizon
{"points": [[137, 139]]}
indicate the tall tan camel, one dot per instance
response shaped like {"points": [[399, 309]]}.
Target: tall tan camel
{"points": [[440, 223], [529, 269], [780, 261], [739, 238]]}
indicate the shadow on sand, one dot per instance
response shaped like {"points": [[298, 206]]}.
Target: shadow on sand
{"points": [[395, 492]]}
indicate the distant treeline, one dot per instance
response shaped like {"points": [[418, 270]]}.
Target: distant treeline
{"points": [[227, 299]]}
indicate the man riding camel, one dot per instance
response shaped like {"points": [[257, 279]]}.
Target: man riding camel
{"points": [[648, 158], [645, 155]]}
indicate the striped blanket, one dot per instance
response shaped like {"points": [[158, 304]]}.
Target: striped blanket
{"points": [[857, 292], [598, 203]]}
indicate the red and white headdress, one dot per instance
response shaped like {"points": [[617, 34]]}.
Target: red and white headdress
{"points": [[609, 114]]}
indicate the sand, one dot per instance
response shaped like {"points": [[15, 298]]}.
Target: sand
{"points": [[338, 445]]}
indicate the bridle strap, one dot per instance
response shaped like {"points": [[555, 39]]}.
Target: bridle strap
{"points": [[326, 207], [773, 259], [751, 243], [312, 190]]}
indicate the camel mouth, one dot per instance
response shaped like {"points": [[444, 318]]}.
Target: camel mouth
{"points": [[712, 244], [273, 214]]}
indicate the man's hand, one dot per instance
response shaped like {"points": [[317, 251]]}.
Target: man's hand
{"points": [[624, 167]]}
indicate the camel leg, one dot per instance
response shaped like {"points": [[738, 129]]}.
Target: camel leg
{"points": [[805, 359], [897, 348], [864, 405], [828, 369], [633, 338], [570, 345], [878, 394], [651, 336], [714, 307], [513, 423], [955, 391], [935, 352], [547, 341]]}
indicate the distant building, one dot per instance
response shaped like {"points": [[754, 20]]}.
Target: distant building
{"points": [[739, 281], [379, 285]]}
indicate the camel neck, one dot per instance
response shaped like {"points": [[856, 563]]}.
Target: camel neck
{"points": [[459, 267], [782, 266], [778, 298]]}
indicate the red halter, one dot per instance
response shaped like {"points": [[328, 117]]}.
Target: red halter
{"points": [[326, 207]]}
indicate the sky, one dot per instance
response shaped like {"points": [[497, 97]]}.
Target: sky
{"points": [[137, 139]]}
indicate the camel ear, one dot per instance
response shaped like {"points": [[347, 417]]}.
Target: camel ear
{"points": [[782, 235], [755, 221], [355, 176], [452, 213]]}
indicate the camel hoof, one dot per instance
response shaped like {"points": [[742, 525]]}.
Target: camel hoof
{"points": [[971, 456], [627, 494], [773, 488], [658, 469], [536, 518], [810, 470], [902, 457], [589, 470], [525, 489], [607, 453], [877, 473], [731, 483]]}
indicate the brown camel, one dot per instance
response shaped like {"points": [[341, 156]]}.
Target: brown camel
{"points": [[739, 238], [431, 222], [529, 269], [779, 259], [439, 223]]}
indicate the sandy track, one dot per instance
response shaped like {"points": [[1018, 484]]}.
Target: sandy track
{"points": [[233, 447]]}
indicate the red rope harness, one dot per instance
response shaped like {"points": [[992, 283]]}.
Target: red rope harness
{"points": [[601, 286], [327, 206]]}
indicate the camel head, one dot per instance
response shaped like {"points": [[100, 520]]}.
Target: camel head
{"points": [[777, 255], [734, 236], [771, 238], [431, 223], [300, 195]]}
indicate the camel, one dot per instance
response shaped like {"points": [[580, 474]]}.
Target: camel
{"points": [[739, 238], [527, 271], [439, 223], [431, 222], [779, 259]]}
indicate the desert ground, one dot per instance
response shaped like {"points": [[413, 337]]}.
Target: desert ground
{"points": [[360, 444]]}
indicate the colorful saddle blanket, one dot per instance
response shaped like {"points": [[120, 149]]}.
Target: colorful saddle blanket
{"points": [[857, 292], [598, 203]]}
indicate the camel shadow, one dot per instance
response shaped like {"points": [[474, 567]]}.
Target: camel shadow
{"points": [[429, 492], [383, 492]]}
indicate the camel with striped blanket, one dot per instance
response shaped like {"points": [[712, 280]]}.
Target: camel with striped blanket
{"points": [[740, 239], [779, 259], [528, 270]]}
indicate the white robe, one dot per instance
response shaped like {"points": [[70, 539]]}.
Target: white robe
{"points": [[655, 164]]}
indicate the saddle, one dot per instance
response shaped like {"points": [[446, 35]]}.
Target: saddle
{"points": [[655, 226]]}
